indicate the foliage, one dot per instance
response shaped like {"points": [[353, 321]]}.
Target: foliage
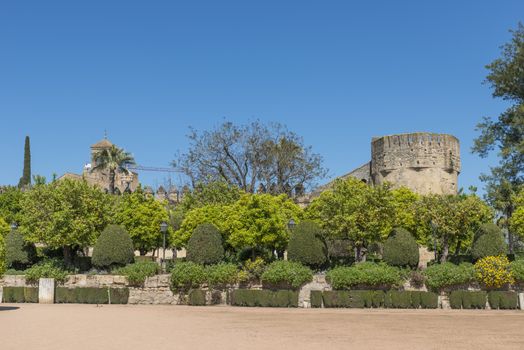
{"points": [[494, 271], [456, 219], [405, 204], [315, 298], [2, 255], [91, 295], [365, 274], [464, 299], [113, 248], [401, 249], [286, 274], [355, 211], [449, 275], [137, 272], [253, 269], [187, 275], [25, 180], [489, 243], [305, 246], [141, 216], [378, 298], [221, 275], [417, 279], [51, 268], [209, 193], [196, 297], [250, 157], [264, 298], [516, 222], [517, 270], [20, 295], [205, 245], [64, 214], [113, 159], [503, 300], [18, 253], [10, 203]]}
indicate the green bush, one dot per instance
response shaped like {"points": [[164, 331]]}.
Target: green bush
{"points": [[517, 270], [398, 299], [138, 272], [187, 275], [463, 299], [445, 275], [353, 299], [401, 249], [18, 253], [113, 248], [205, 245], [489, 242], [91, 295], [196, 297], [304, 245], [264, 298], [82, 263], [315, 298], [428, 300], [221, 275], [503, 300], [286, 274], [366, 274], [51, 268], [20, 295]]}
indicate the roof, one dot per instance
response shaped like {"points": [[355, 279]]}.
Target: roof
{"points": [[105, 143]]}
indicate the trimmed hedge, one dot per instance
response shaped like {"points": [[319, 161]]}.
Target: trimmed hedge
{"points": [[304, 245], [282, 274], [187, 275], [264, 298], [196, 297], [315, 298], [401, 249], [377, 298], [464, 299], [366, 274], [490, 242], [20, 295], [503, 300], [113, 248], [445, 275], [205, 245], [137, 272], [89, 295]]}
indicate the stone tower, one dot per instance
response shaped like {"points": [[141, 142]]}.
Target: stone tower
{"points": [[423, 162]]}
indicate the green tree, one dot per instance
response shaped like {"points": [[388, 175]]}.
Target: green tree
{"points": [[455, 219], [18, 253], [25, 180], [401, 249], [113, 248], [305, 245], [113, 160], [205, 245], [141, 216], [355, 211], [405, 207], [4, 229], [517, 219], [10, 203], [507, 132], [67, 214]]}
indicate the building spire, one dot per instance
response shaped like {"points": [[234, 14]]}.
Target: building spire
{"points": [[105, 134]]}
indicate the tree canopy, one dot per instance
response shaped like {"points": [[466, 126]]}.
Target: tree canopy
{"points": [[113, 160]]}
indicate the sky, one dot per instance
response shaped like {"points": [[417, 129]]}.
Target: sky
{"points": [[335, 72]]}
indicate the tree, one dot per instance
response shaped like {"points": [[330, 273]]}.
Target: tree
{"points": [[205, 245], [113, 248], [355, 211], [517, 219], [405, 207], [114, 160], [67, 214], [507, 133], [25, 180], [489, 242], [18, 252], [455, 219], [305, 245], [401, 249], [10, 198], [252, 157], [141, 216]]}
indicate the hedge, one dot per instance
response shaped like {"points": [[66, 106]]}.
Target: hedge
{"points": [[264, 298], [20, 295], [376, 298], [315, 298], [503, 300], [463, 299], [196, 297], [364, 274], [90, 295]]}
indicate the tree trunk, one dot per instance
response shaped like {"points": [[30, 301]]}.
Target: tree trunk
{"points": [[445, 250], [358, 253], [142, 251], [112, 181], [68, 255]]}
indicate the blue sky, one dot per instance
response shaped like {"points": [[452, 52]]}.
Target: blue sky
{"points": [[335, 72]]}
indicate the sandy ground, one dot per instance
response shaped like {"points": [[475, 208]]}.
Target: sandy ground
{"points": [[56, 327]]}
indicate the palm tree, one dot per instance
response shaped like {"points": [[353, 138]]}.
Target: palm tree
{"points": [[113, 159]]}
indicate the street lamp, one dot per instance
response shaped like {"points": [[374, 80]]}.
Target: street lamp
{"points": [[291, 224], [14, 226], [163, 229], [434, 227]]}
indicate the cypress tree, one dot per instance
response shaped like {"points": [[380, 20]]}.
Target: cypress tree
{"points": [[25, 180]]}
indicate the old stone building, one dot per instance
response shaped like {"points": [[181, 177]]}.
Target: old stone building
{"points": [[99, 177], [423, 162]]}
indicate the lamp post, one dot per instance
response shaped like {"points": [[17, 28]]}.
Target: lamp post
{"points": [[291, 224], [14, 226], [434, 227], [163, 229]]}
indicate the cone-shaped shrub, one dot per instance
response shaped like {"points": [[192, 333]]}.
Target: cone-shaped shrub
{"points": [[205, 245], [304, 245], [113, 248], [401, 249], [18, 253], [490, 242]]}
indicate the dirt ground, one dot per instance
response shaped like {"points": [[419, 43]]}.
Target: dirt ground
{"points": [[78, 327]]}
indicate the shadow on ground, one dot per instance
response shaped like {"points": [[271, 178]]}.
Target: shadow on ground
{"points": [[8, 308]]}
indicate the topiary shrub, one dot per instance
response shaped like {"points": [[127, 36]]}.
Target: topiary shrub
{"points": [[367, 274], [489, 242], [315, 298], [20, 295], [187, 275], [264, 298], [113, 248], [503, 300], [91, 295], [138, 272], [205, 245], [401, 249], [304, 245], [18, 253], [221, 275], [446, 275], [286, 274], [196, 297]]}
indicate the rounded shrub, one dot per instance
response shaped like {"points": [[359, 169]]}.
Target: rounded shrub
{"points": [[366, 274], [449, 275], [113, 248], [187, 275], [304, 245], [494, 271], [401, 249], [517, 270], [489, 242], [18, 253], [283, 274], [221, 275], [205, 245]]}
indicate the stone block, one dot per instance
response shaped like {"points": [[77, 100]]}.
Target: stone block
{"points": [[46, 291]]}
